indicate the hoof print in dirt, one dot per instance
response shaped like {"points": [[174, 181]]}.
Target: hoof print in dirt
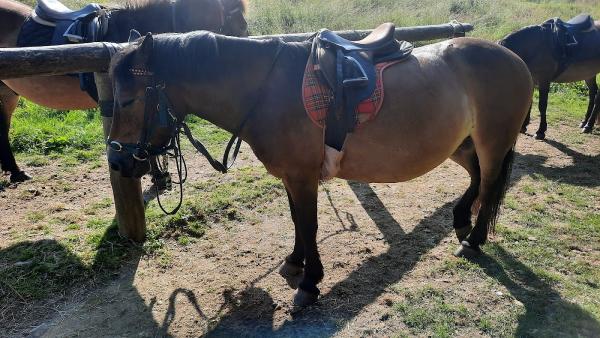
{"points": [[292, 274], [19, 177], [304, 298], [467, 251]]}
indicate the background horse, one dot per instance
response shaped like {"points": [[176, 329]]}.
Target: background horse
{"points": [[537, 46], [464, 99], [63, 92]]}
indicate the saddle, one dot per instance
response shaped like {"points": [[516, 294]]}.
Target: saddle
{"points": [[567, 36], [349, 70], [88, 24]]}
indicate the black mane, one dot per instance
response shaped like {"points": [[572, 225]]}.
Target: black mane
{"points": [[193, 56]]}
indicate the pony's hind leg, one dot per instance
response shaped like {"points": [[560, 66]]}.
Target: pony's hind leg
{"points": [[591, 119], [466, 157], [495, 177], [593, 91], [8, 104]]}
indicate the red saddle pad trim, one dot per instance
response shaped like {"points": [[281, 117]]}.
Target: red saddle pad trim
{"points": [[317, 97]]}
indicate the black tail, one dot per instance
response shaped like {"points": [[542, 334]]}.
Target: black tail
{"points": [[499, 189]]}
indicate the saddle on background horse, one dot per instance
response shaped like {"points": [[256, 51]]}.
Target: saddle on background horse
{"points": [[568, 35], [52, 23], [350, 70]]}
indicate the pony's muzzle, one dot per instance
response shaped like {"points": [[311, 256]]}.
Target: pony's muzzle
{"points": [[124, 163]]}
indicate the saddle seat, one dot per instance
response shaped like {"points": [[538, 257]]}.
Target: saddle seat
{"points": [[53, 10], [378, 41], [580, 23]]}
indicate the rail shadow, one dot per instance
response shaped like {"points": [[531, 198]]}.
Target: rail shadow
{"points": [[584, 172], [37, 277], [544, 307]]}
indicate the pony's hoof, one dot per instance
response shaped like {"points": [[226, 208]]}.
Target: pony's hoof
{"points": [[304, 298], [19, 177], [582, 124], [467, 251], [540, 136], [587, 130], [292, 274], [463, 232]]}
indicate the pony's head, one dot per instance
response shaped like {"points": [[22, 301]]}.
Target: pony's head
{"points": [[144, 121], [135, 134], [235, 23]]}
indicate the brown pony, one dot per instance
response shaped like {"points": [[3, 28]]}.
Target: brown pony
{"points": [[63, 92], [537, 46], [464, 99]]}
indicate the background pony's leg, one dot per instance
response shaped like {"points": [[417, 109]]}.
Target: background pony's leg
{"points": [[292, 268], [8, 104], [527, 120], [303, 191], [593, 91], [543, 106], [466, 157], [591, 119]]}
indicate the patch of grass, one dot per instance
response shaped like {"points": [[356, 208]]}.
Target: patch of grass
{"points": [[428, 312], [73, 135], [35, 216]]}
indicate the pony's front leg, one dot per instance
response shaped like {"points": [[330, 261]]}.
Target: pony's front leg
{"points": [[303, 192], [8, 104], [592, 91], [292, 268], [543, 106]]}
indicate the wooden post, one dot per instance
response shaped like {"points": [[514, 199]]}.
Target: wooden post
{"points": [[127, 192]]}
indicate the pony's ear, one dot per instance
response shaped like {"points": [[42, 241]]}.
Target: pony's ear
{"points": [[134, 35], [146, 46]]}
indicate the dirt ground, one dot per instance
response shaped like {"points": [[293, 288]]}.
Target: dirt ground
{"points": [[375, 241]]}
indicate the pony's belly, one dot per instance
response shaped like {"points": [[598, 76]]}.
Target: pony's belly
{"points": [[580, 71], [57, 92], [387, 154]]}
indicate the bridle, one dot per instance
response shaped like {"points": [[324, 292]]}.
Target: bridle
{"points": [[157, 107], [157, 104]]}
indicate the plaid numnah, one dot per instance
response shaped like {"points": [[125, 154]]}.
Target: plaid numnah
{"points": [[317, 96]]}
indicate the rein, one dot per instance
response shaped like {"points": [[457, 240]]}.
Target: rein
{"points": [[157, 103]]}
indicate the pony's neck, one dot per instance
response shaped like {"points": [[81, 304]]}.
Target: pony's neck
{"points": [[525, 42], [155, 17], [227, 97]]}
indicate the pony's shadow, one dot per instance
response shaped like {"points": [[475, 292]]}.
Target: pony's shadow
{"points": [[254, 315], [584, 171], [542, 303]]}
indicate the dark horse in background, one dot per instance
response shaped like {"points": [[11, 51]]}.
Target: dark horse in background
{"points": [[561, 52], [63, 92], [464, 99]]}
